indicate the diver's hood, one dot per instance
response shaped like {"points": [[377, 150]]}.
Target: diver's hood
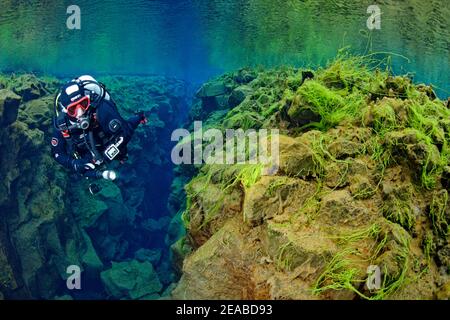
{"points": [[80, 87], [75, 89]]}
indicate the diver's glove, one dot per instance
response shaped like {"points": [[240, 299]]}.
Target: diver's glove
{"points": [[81, 166], [142, 116]]}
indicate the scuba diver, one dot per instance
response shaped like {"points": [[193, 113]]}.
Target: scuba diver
{"points": [[89, 133]]}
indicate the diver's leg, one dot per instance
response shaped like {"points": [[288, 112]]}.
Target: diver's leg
{"points": [[93, 174]]}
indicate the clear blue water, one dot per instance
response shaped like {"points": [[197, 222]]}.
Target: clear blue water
{"points": [[197, 39]]}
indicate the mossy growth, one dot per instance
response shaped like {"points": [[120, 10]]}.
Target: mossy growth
{"points": [[275, 185], [285, 257], [399, 212], [348, 71], [225, 178], [413, 131], [343, 92], [438, 214], [360, 113], [388, 248], [397, 208], [428, 246]]}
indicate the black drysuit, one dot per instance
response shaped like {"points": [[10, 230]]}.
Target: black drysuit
{"points": [[72, 149]]}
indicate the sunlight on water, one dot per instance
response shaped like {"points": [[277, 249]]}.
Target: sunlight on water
{"points": [[196, 39], [310, 32]]}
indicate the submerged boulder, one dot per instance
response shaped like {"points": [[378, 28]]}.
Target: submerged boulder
{"points": [[218, 269], [272, 196], [238, 95], [362, 181], [9, 106], [153, 256], [131, 280], [29, 87], [213, 89]]}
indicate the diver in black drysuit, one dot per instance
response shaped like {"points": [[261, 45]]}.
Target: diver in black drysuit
{"points": [[89, 131]]}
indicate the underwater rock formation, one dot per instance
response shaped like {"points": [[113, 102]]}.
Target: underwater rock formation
{"points": [[50, 221], [363, 181], [132, 280]]}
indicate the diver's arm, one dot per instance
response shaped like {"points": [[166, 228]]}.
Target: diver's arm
{"points": [[114, 125], [136, 120], [59, 151]]}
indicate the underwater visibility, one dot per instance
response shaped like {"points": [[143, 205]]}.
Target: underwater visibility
{"points": [[225, 150]]}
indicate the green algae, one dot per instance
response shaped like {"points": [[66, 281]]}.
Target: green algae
{"points": [[397, 208], [429, 247], [340, 93], [350, 111], [438, 215], [227, 178], [343, 272]]}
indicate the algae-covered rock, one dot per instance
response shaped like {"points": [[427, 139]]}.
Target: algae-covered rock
{"points": [[131, 280], [342, 148], [179, 250], [238, 95], [291, 246], [410, 145], [443, 257], [210, 210], [9, 106], [50, 220], [338, 208], [446, 177], [444, 292], [245, 76], [272, 196], [312, 100], [218, 269], [297, 159], [176, 229], [361, 187], [212, 89], [361, 183], [29, 87], [336, 175]]}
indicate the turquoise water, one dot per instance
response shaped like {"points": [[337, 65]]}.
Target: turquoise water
{"points": [[195, 40]]}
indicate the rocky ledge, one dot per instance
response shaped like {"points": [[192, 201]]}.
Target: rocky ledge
{"points": [[49, 221], [363, 181]]}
